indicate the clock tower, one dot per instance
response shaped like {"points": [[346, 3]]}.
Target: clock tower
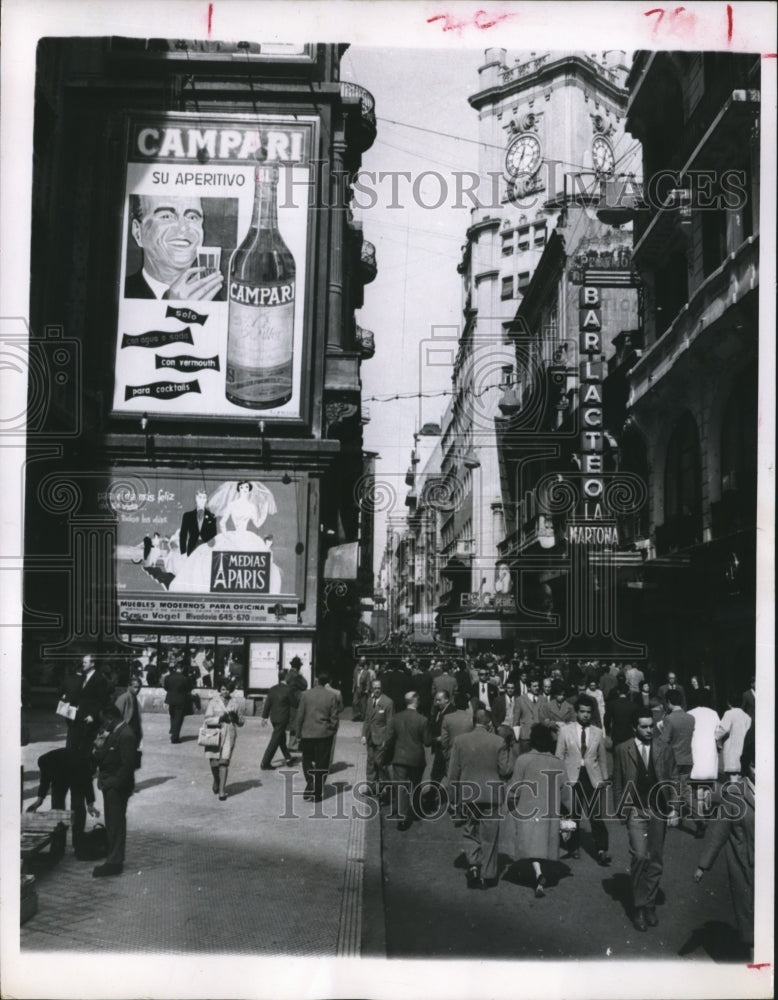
{"points": [[551, 130]]}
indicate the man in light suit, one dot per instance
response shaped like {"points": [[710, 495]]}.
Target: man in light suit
{"points": [[378, 714], [404, 747], [317, 723], [528, 713], [639, 765], [581, 747], [197, 526], [480, 763]]}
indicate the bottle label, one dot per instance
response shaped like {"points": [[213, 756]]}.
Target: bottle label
{"points": [[261, 335]]}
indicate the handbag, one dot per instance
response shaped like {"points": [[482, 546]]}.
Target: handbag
{"points": [[66, 710], [93, 844], [209, 737]]}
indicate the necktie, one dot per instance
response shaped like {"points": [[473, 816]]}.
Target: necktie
{"points": [[583, 742], [644, 750]]}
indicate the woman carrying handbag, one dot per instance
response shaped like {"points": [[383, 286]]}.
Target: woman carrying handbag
{"points": [[224, 713]]}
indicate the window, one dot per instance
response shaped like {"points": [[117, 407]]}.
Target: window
{"points": [[507, 244], [524, 239], [539, 236], [507, 288], [523, 280]]}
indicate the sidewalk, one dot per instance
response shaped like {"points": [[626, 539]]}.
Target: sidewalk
{"points": [[261, 873]]}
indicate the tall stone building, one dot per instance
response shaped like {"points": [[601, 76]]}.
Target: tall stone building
{"points": [[175, 364]]}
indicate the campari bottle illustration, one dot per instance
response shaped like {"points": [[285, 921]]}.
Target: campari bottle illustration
{"points": [[260, 336]]}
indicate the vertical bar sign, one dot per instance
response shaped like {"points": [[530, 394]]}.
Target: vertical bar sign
{"points": [[591, 441]]}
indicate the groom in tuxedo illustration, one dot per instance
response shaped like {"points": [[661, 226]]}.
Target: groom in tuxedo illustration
{"points": [[197, 526]]}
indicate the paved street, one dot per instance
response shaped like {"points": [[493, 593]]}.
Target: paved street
{"points": [[267, 885], [312, 885]]}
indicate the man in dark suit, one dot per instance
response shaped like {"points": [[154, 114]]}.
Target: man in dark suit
{"points": [[378, 714], [317, 723], [441, 708], [639, 766], [404, 747], [620, 714], [463, 678], [277, 708], [557, 711], [421, 682], [115, 755], [671, 685], [528, 713], [64, 771], [484, 691], [395, 683], [197, 526], [480, 763], [581, 748], [505, 707], [169, 230], [178, 687], [90, 695]]}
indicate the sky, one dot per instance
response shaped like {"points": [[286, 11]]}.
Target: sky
{"points": [[424, 124]]}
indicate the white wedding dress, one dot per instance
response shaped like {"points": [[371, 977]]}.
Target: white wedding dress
{"points": [[194, 575]]}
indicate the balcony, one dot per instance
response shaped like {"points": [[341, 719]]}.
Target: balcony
{"points": [[367, 261], [737, 277], [465, 547], [365, 340], [364, 132]]}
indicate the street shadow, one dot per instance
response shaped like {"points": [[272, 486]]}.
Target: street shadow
{"points": [[522, 873], [341, 765], [239, 787], [619, 887], [336, 788], [151, 782], [720, 941], [189, 739]]}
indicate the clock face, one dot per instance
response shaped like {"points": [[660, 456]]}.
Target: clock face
{"points": [[523, 156], [602, 156]]}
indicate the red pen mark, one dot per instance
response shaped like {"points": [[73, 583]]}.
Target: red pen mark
{"points": [[759, 965], [481, 20], [210, 18], [729, 24], [770, 55]]}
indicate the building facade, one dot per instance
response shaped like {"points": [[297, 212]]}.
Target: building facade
{"points": [[692, 404], [551, 129], [195, 271]]}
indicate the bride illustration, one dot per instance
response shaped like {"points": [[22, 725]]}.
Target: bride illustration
{"points": [[242, 505]]}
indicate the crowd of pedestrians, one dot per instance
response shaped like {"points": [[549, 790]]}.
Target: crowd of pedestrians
{"points": [[517, 755], [520, 756]]}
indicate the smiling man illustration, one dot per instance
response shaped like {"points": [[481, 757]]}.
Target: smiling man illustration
{"points": [[169, 230]]}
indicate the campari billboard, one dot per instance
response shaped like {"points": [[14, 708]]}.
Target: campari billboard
{"points": [[216, 267]]}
